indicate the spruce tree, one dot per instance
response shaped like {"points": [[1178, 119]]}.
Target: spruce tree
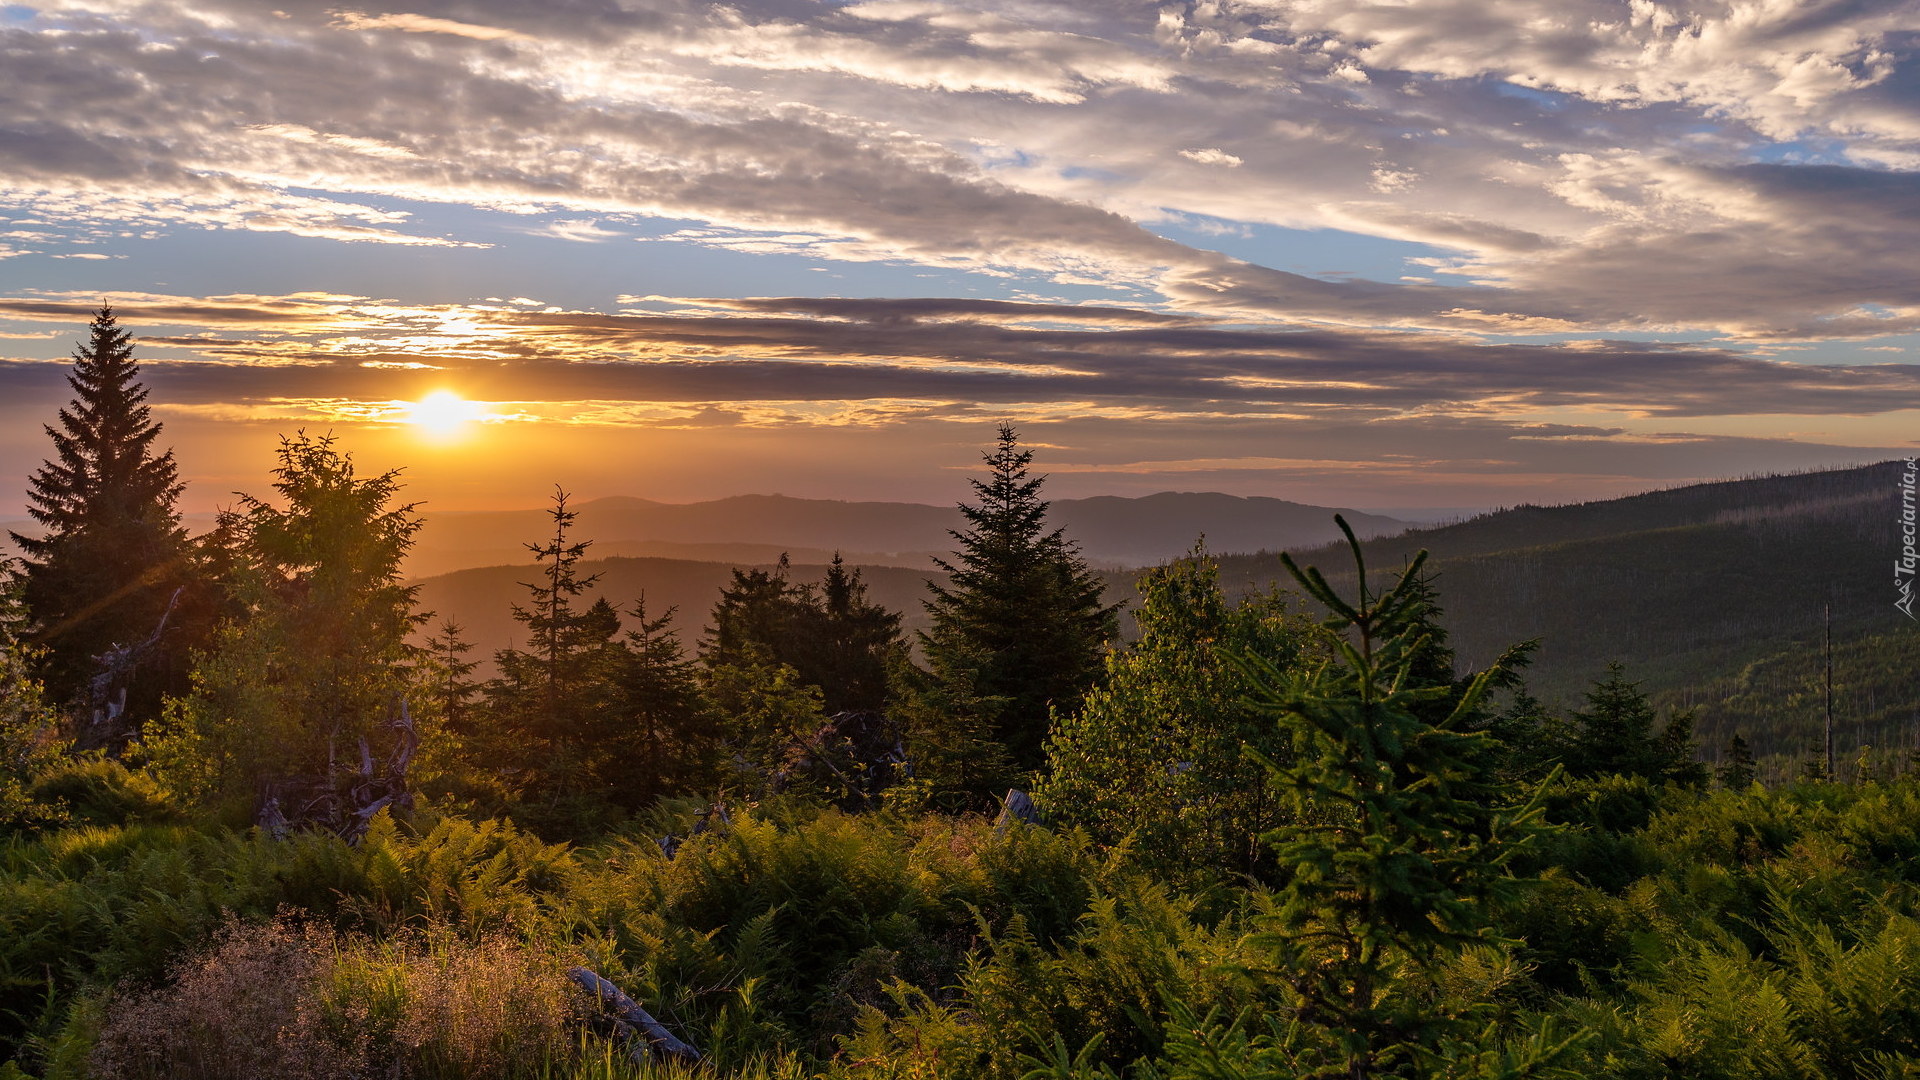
{"points": [[544, 695], [665, 739], [112, 557], [1021, 624], [1616, 736], [1402, 838], [448, 669], [859, 642], [315, 661], [556, 629], [831, 635], [587, 725], [1737, 773]]}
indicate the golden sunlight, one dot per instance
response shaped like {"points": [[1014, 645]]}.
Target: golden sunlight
{"points": [[442, 412]]}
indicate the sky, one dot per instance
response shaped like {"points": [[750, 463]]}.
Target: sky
{"points": [[1394, 254]]}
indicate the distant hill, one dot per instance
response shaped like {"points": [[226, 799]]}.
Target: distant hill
{"points": [[1699, 590], [1110, 530]]}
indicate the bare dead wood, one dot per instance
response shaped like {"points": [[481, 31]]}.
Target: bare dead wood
{"points": [[374, 793], [1016, 807], [272, 822], [629, 1013], [857, 752], [345, 799], [405, 744], [116, 667]]}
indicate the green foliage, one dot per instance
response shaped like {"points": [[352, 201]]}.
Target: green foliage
{"points": [[1760, 933], [1398, 841], [318, 659], [1155, 754], [763, 708], [93, 789], [1021, 625], [29, 739], [959, 763]]}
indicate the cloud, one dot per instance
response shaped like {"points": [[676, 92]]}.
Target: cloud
{"points": [[578, 230], [1213, 155], [1784, 67], [424, 24], [944, 357]]}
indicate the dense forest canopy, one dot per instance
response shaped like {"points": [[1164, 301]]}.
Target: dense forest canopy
{"points": [[265, 816]]}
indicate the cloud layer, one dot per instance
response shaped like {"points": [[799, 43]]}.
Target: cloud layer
{"points": [[1591, 166], [928, 353]]}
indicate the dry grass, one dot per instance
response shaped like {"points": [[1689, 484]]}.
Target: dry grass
{"points": [[243, 1009], [286, 1001]]}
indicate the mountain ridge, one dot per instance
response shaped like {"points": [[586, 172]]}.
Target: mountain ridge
{"points": [[1111, 530]]}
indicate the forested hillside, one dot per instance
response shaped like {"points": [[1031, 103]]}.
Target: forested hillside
{"points": [[1686, 586]]}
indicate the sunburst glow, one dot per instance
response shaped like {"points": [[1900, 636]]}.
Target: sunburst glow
{"points": [[442, 412]]}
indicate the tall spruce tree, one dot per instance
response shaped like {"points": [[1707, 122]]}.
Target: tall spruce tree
{"points": [[1021, 625], [112, 557], [586, 726], [543, 695]]}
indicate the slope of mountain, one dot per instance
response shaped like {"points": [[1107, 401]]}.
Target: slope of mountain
{"points": [[1110, 530], [430, 562], [1154, 528], [1778, 704], [1713, 595], [1687, 587]]}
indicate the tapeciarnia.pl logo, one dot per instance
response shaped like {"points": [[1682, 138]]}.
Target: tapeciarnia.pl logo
{"points": [[1903, 567]]}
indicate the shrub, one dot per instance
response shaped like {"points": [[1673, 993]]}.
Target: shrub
{"points": [[288, 1001]]}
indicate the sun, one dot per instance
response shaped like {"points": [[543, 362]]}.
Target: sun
{"points": [[442, 412]]}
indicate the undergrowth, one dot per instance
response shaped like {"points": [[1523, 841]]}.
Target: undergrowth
{"points": [[1687, 933]]}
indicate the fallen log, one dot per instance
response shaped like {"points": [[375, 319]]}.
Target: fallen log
{"points": [[629, 1013]]}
